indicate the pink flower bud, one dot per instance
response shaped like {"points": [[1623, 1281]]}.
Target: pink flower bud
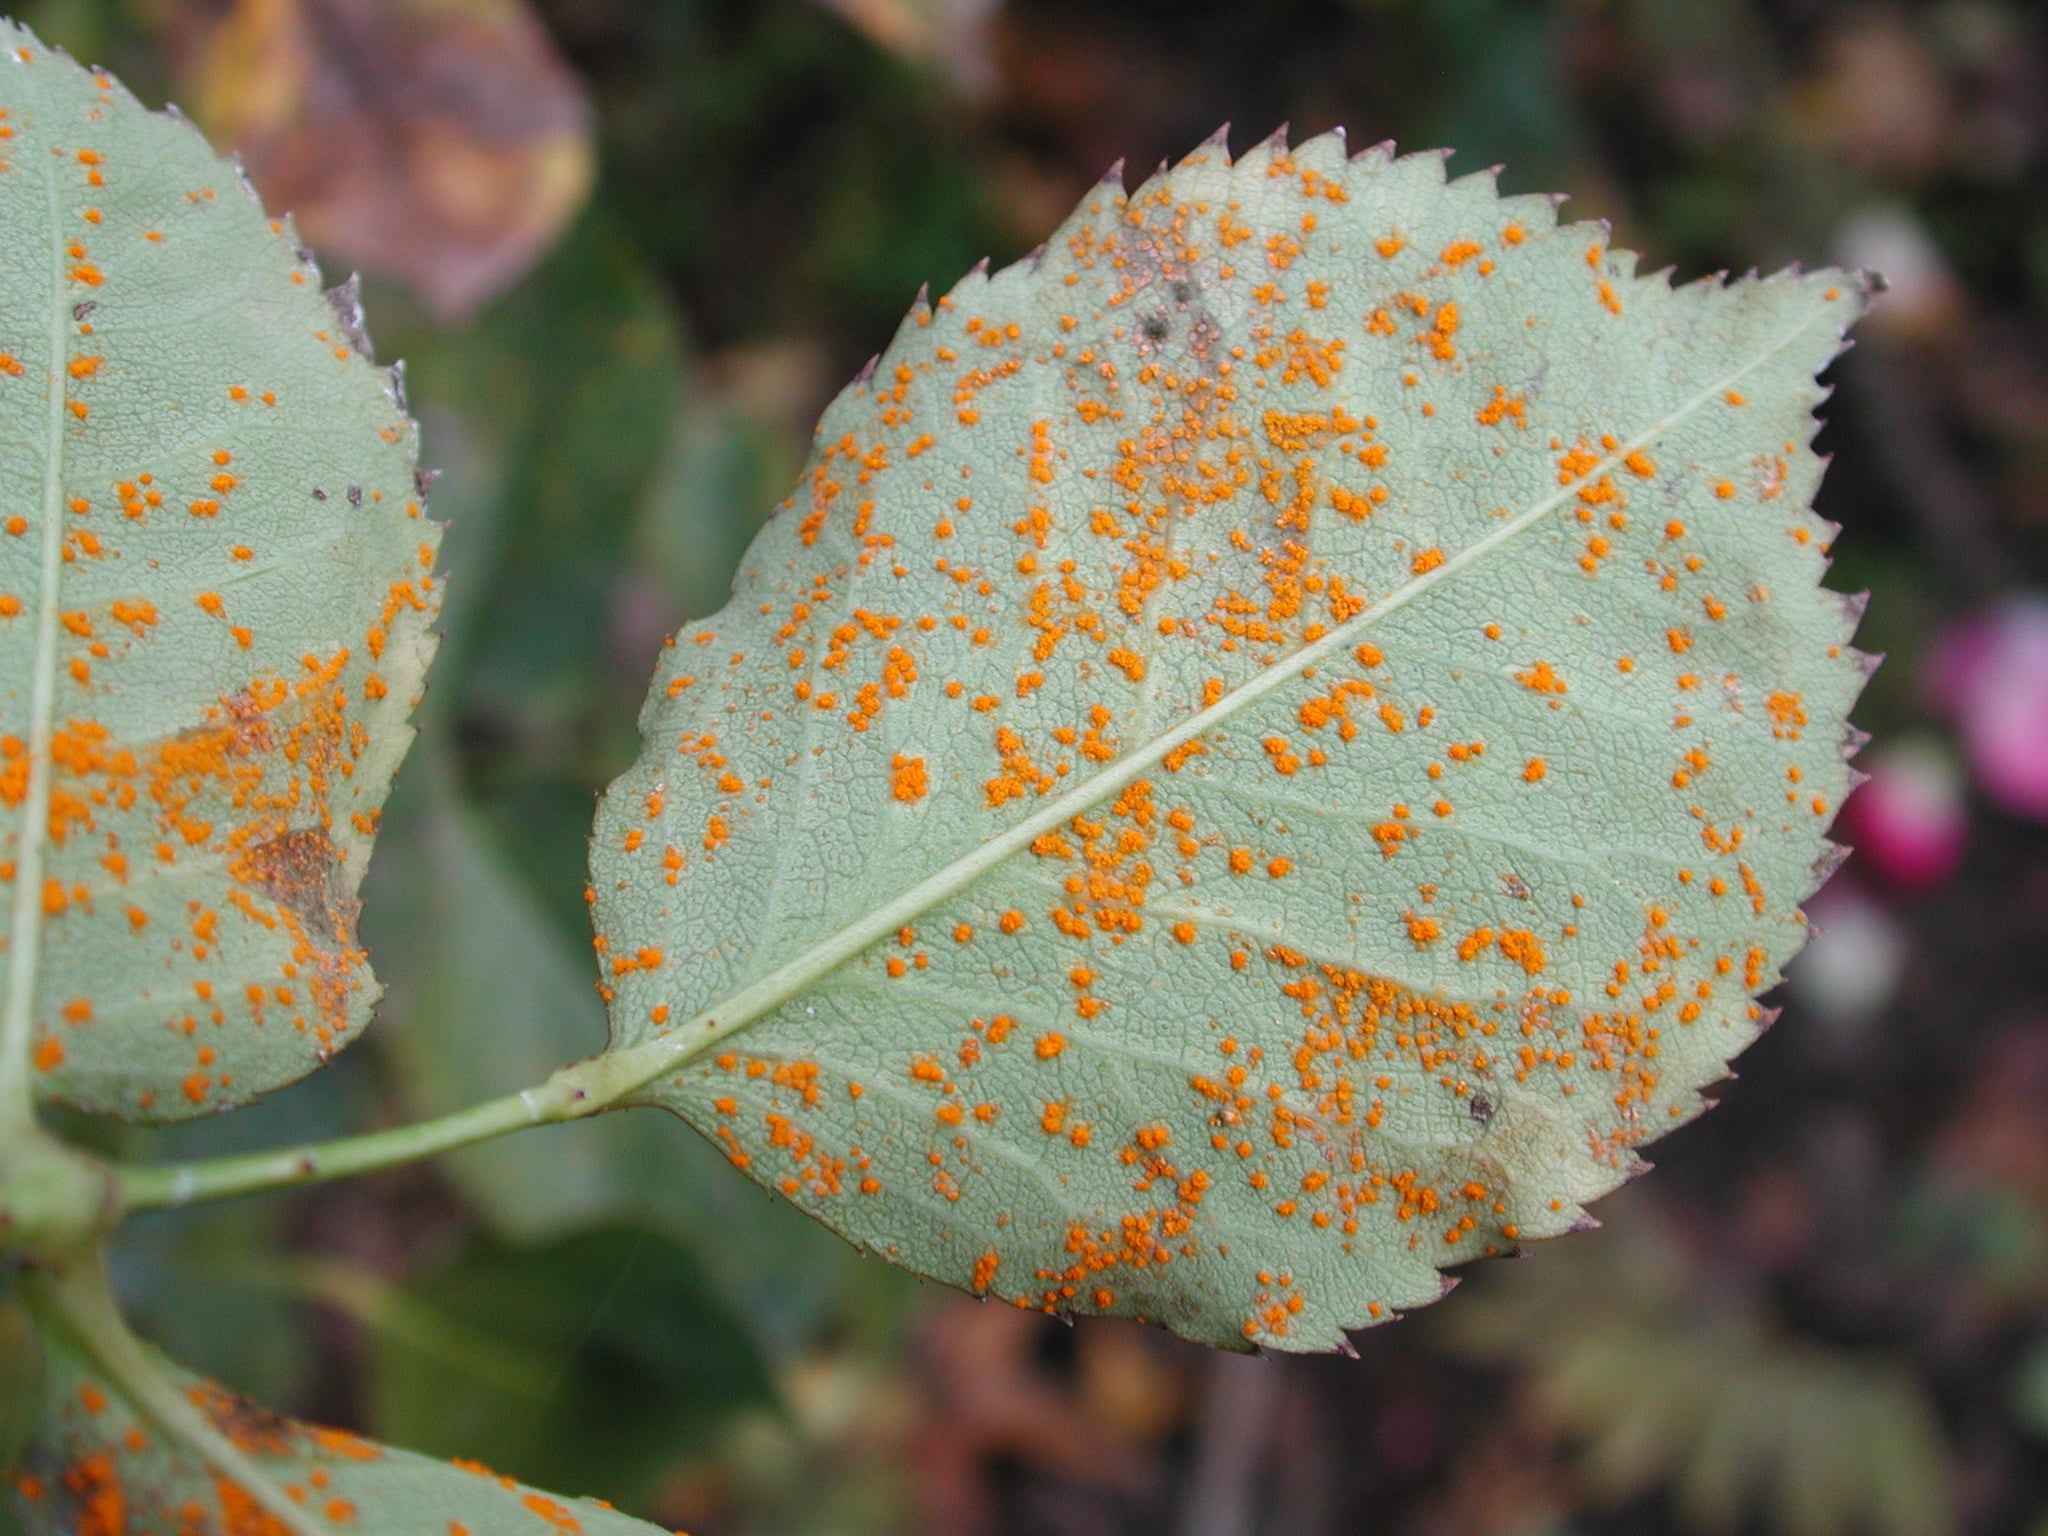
{"points": [[1991, 676], [1909, 823]]}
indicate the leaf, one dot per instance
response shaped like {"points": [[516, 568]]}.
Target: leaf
{"points": [[214, 608], [700, 512], [564, 394], [604, 1358], [951, 33], [1272, 748], [445, 145], [100, 1465], [203, 1286]]}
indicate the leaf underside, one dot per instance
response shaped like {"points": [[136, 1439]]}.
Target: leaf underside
{"points": [[98, 1465], [1404, 625], [240, 613]]}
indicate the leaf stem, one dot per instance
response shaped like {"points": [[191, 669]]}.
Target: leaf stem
{"points": [[78, 1303]]}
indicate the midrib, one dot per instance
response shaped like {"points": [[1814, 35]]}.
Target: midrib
{"points": [[643, 1063], [25, 928]]}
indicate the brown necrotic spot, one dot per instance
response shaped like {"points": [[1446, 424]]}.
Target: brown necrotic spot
{"points": [[301, 872]]}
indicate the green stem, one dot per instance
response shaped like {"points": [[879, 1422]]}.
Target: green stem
{"points": [[77, 1302], [570, 1094]]}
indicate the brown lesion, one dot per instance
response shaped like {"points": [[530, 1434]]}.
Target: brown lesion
{"points": [[248, 1426], [301, 871]]}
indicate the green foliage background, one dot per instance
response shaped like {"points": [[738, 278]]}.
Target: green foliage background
{"points": [[1861, 1229]]}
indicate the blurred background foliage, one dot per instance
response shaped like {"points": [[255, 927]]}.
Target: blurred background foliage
{"points": [[628, 249]]}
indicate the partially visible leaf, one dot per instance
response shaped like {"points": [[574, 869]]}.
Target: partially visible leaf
{"points": [[1272, 748], [556, 409], [97, 1465], [443, 144], [724, 462], [467, 950], [604, 1359], [215, 549], [952, 33]]}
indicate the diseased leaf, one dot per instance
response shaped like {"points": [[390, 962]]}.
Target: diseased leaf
{"points": [[98, 1464], [1274, 745], [215, 559]]}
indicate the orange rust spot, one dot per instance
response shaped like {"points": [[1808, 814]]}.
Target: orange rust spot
{"points": [[909, 783], [555, 1514], [984, 1270]]}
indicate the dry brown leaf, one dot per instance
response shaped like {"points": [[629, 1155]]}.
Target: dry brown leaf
{"points": [[444, 143]]}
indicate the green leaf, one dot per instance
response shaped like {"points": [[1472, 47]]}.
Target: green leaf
{"points": [[203, 1286], [604, 1358], [97, 1456], [214, 609], [563, 395], [701, 509], [1271, 749]]}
